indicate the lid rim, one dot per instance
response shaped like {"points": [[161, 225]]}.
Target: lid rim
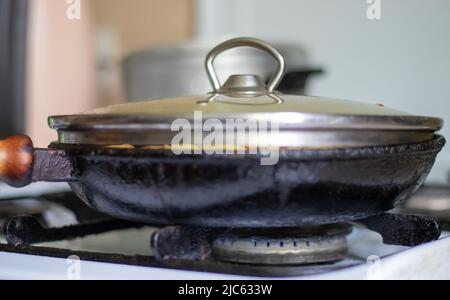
{"points": [[309, 121]]}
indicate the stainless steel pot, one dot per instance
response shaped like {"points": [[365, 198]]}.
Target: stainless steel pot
{"points": [[168, 72]]}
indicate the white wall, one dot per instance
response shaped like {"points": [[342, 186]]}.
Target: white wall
{"points": [[402, 60]]}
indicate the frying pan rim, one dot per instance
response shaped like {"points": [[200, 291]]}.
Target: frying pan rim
{"points": [[434, 145]]}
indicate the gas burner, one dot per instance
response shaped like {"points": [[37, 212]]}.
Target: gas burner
{"points": [[283, 246]]}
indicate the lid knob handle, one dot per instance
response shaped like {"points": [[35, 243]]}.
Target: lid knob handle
{"points": [[245, 42]]}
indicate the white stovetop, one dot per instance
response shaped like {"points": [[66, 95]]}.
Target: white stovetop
{"points": [[430, 261]]}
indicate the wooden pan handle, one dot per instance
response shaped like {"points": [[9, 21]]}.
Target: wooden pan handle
{"points": [[16, 160]]}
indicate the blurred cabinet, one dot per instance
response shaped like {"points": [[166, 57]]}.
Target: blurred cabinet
{"points": [[74, 64], [139, 24], [124, 27]]}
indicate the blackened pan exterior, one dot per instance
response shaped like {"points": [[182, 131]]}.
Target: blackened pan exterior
{"points": [[306, 187]]}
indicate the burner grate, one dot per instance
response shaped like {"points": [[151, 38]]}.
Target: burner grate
{"points": [[25, 230]]}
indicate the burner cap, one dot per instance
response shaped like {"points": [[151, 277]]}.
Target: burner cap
{"points": [[283, 246]]}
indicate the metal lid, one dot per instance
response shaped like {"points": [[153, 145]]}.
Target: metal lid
{"points": [[300, 121]]}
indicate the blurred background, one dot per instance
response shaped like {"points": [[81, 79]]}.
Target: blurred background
{"points": [[67, 56]]}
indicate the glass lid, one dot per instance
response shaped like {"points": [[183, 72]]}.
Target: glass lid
{"points": [[245, 104]]}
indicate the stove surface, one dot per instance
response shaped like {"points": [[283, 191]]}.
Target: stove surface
{"points": [[90, 257], [368, 258]]}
